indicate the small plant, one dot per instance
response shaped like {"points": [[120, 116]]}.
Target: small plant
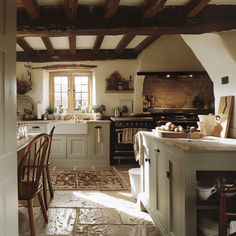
{"points": [[99, 108], [51, 109]]}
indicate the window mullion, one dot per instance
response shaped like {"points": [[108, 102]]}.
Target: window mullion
{"points": [[70, 94]]}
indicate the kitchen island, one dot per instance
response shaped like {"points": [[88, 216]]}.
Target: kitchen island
{"points": [[169, 177]]}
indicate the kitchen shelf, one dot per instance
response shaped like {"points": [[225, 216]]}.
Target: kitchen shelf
{"points": [[119, 91]]}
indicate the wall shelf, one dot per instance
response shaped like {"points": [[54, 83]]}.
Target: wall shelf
{"points": [[119, 91]]}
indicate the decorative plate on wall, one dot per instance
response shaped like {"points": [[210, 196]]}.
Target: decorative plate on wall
{"points": [[25, 105]]}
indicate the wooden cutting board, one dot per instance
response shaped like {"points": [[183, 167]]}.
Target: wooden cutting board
{"points": [[171, 134], [222, 121]]}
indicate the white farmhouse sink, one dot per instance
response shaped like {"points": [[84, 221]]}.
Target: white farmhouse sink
{"points": [[70, 128]]}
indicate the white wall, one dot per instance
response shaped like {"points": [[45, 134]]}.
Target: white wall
{"points": [[217, 53]]}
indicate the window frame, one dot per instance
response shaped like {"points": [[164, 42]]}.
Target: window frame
{"points": [[71, 86]]}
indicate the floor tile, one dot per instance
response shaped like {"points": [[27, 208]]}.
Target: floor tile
{"points": [[60, 222], [123, 230], [98, 216], [135, 217]]}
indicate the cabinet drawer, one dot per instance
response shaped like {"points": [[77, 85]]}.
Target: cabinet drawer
{"points": [[37, 128]]}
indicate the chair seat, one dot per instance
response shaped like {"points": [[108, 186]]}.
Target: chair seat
{"points": [[29, 191]]}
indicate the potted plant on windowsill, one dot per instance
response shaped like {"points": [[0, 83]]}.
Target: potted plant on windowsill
{"points": [[50, 110], [98, 110]]}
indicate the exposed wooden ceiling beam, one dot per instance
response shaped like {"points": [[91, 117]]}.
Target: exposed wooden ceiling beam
{"points": [[71, 8], [32, 8], [72, 42], [152, 7], [65, 66], [48, 45], [168, 22], [124, 42], [81, 55], [146, 42], [111, 7], [23, 44], [98, 43], [195, 6]]}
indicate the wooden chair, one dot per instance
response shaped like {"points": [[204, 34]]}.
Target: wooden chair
{"points": [[29, 176], [227, 207], [46, 173]]}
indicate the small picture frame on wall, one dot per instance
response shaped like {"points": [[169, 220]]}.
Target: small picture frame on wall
{"points": [[126, 107]]}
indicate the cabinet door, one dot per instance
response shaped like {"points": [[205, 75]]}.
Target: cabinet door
{"points": [[77, 147], [158, 183], [147, 180], [58, 148], [174, 190], [99, 142]]}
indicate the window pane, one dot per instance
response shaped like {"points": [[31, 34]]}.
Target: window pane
{"points": [[64, 88], [57, 80], [64, 80], [64, 100], [57, 99], [84, 88], [57, 88], [78, 88], [77, 96], [61, 91], [84, 96]]}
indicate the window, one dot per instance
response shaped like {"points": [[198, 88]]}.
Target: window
{"points": [[71, 90]]}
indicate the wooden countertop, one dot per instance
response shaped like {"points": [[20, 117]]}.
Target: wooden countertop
{"points": [[22, 142]]}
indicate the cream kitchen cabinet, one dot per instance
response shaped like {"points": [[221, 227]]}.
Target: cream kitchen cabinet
{"points": [[90, 149], [99, 143], [77, 147], [58, 147]]}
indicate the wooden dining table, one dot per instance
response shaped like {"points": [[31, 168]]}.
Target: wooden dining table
{"points": [[21, 146]]}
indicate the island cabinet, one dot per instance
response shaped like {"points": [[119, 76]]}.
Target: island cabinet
{"points": [[169, 177]]}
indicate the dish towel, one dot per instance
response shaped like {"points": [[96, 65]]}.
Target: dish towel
{"points": [[98, 135], [129, 133], [138, 148]]}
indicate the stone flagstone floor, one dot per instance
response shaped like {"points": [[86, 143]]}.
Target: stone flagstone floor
{"points": [[88, 213]]}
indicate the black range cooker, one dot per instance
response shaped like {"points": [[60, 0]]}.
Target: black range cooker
{"points": [[124, 128]]}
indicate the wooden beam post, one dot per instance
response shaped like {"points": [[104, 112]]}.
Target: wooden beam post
{"points": [[194, 7], [22, 43], [98, 43], [32, 8], [48, 45], [111, 7], [72, 42], [124, 43], [152, 7], [71, 8], [146, 42]]}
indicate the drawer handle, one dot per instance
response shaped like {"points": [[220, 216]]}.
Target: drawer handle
{"points": [[156, 149], [148, 160], [97, 127], [35, 127]]}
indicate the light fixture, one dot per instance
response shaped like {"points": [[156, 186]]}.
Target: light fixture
{"points": [[168, 76]]}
